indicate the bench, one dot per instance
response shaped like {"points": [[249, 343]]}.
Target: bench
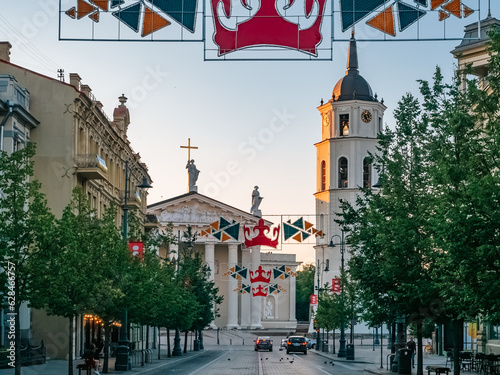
{"points": [[84, 366], [438, 370]]}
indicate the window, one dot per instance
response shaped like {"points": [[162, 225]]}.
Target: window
{"points": [[323, 175], [344, 124], [494, 332], [343, 172], [367, 173]]}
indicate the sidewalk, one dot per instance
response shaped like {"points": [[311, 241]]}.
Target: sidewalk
{"points": [[370, 360]]}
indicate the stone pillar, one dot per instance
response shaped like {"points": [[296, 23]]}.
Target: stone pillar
{"points": [[256, 315], [210, 262], [232, 296], [245, 299], [292, 298]]}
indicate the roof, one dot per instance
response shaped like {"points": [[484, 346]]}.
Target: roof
{"points": [[476, 36], [352, 86]]}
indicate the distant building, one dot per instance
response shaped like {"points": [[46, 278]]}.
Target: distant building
{"points": [[477, 335], [350, 123], [77, 145], [221, 241]]}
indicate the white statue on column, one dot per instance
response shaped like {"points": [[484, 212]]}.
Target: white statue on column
{"points": [[256, 199]]}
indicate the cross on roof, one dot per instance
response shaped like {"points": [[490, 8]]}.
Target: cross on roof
{"points": [[189, 147]]}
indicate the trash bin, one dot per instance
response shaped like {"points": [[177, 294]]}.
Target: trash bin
{"points": [[349, 351], [404, 363], [196, 345], [325, 346]]}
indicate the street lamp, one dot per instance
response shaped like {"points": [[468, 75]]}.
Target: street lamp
{"points": [[122, 351], [319, 343], [342, 349]]}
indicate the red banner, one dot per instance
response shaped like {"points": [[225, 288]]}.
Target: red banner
{"points": [[314, 299], [137, 249], [336, 285]]}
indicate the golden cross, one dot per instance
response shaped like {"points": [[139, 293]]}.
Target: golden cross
{"points": [[189, 147]]}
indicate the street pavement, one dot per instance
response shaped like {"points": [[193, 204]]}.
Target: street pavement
{"points": [[223, 351]]}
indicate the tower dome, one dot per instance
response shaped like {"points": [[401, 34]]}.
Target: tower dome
{"points": [[352, 86]]}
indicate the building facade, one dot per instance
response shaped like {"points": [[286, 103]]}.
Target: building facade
{"points": [[258, 285], [77, 146]]}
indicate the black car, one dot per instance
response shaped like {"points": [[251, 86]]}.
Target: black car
{"points": [[296, 344], [264, 342]]}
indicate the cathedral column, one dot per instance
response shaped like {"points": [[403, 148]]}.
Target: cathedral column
{"points": [[210, 258], [256, 314], [232, 296], [292, 298], [210, 262]]}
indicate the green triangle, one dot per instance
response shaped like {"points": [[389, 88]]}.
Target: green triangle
{"points": [[217, 235], [277, 273], [305, 235], [223, 223], [299, 223], [289, 231], [233, 231]]}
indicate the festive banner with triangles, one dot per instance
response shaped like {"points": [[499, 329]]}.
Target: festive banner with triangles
{"points": [[283, 272], [276, 289], [244, 289], [299, 230], [237, 272], [223, 230]]}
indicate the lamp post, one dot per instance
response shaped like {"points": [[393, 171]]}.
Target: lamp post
{"points": [[122, 351], [342, 348], [319, 343]]}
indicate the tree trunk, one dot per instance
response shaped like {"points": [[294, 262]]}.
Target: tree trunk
{"points": [[457, 334], [159, 341], [420, 358], [107, 337], [17, 327], [70, 345]]}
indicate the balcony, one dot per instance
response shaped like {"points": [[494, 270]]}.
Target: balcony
{"points": [[151, 221], [91, 167], [133, 199]]}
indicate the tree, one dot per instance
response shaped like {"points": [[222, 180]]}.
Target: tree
{"points": [[26, 233], [305, 287]]}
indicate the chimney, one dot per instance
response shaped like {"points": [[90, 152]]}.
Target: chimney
{"points": [[74, 80], [87, 91], [5, 51]]}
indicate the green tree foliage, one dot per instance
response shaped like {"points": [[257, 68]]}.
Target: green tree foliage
{"points": [[26, 231], [304, 288]]}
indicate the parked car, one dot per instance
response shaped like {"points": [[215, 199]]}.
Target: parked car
{"points": [[264, 342], [296, 344], [283, 343], [311, 343]]}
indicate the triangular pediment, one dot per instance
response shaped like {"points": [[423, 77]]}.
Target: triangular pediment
{"points": [[199, 211]]}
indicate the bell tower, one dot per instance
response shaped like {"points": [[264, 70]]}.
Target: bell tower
{"points": [[350, 123]]}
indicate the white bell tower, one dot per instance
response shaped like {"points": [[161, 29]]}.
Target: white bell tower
{"points": [[350, 123]]}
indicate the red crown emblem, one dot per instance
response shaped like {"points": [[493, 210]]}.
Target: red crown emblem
{"points": [[291, 24], [262, 276], [260, 238], [259, 291]]}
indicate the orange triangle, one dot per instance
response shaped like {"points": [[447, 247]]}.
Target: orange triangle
{"points": [[203, 233], [84, 9], [454, 8], [152, 22], [321, 234], [314, 230], [103, 4], [436, 3], [443, 15], [384, 22], [215, 225], [467, 11], [297, 237], [71, 12], [307, 225], [225, 237], [94, 16]]}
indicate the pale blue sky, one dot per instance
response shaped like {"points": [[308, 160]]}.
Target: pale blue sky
{"points": [[255, 122]]}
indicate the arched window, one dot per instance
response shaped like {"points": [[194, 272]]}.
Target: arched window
{"points": [[343, 172], [323, 175], [344, 124], [367, 173]]}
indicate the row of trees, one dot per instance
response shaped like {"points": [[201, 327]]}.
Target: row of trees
{"points": [[80, 264], [427, 245]]}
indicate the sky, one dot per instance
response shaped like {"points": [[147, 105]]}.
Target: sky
{"points": [[254, 122]]}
